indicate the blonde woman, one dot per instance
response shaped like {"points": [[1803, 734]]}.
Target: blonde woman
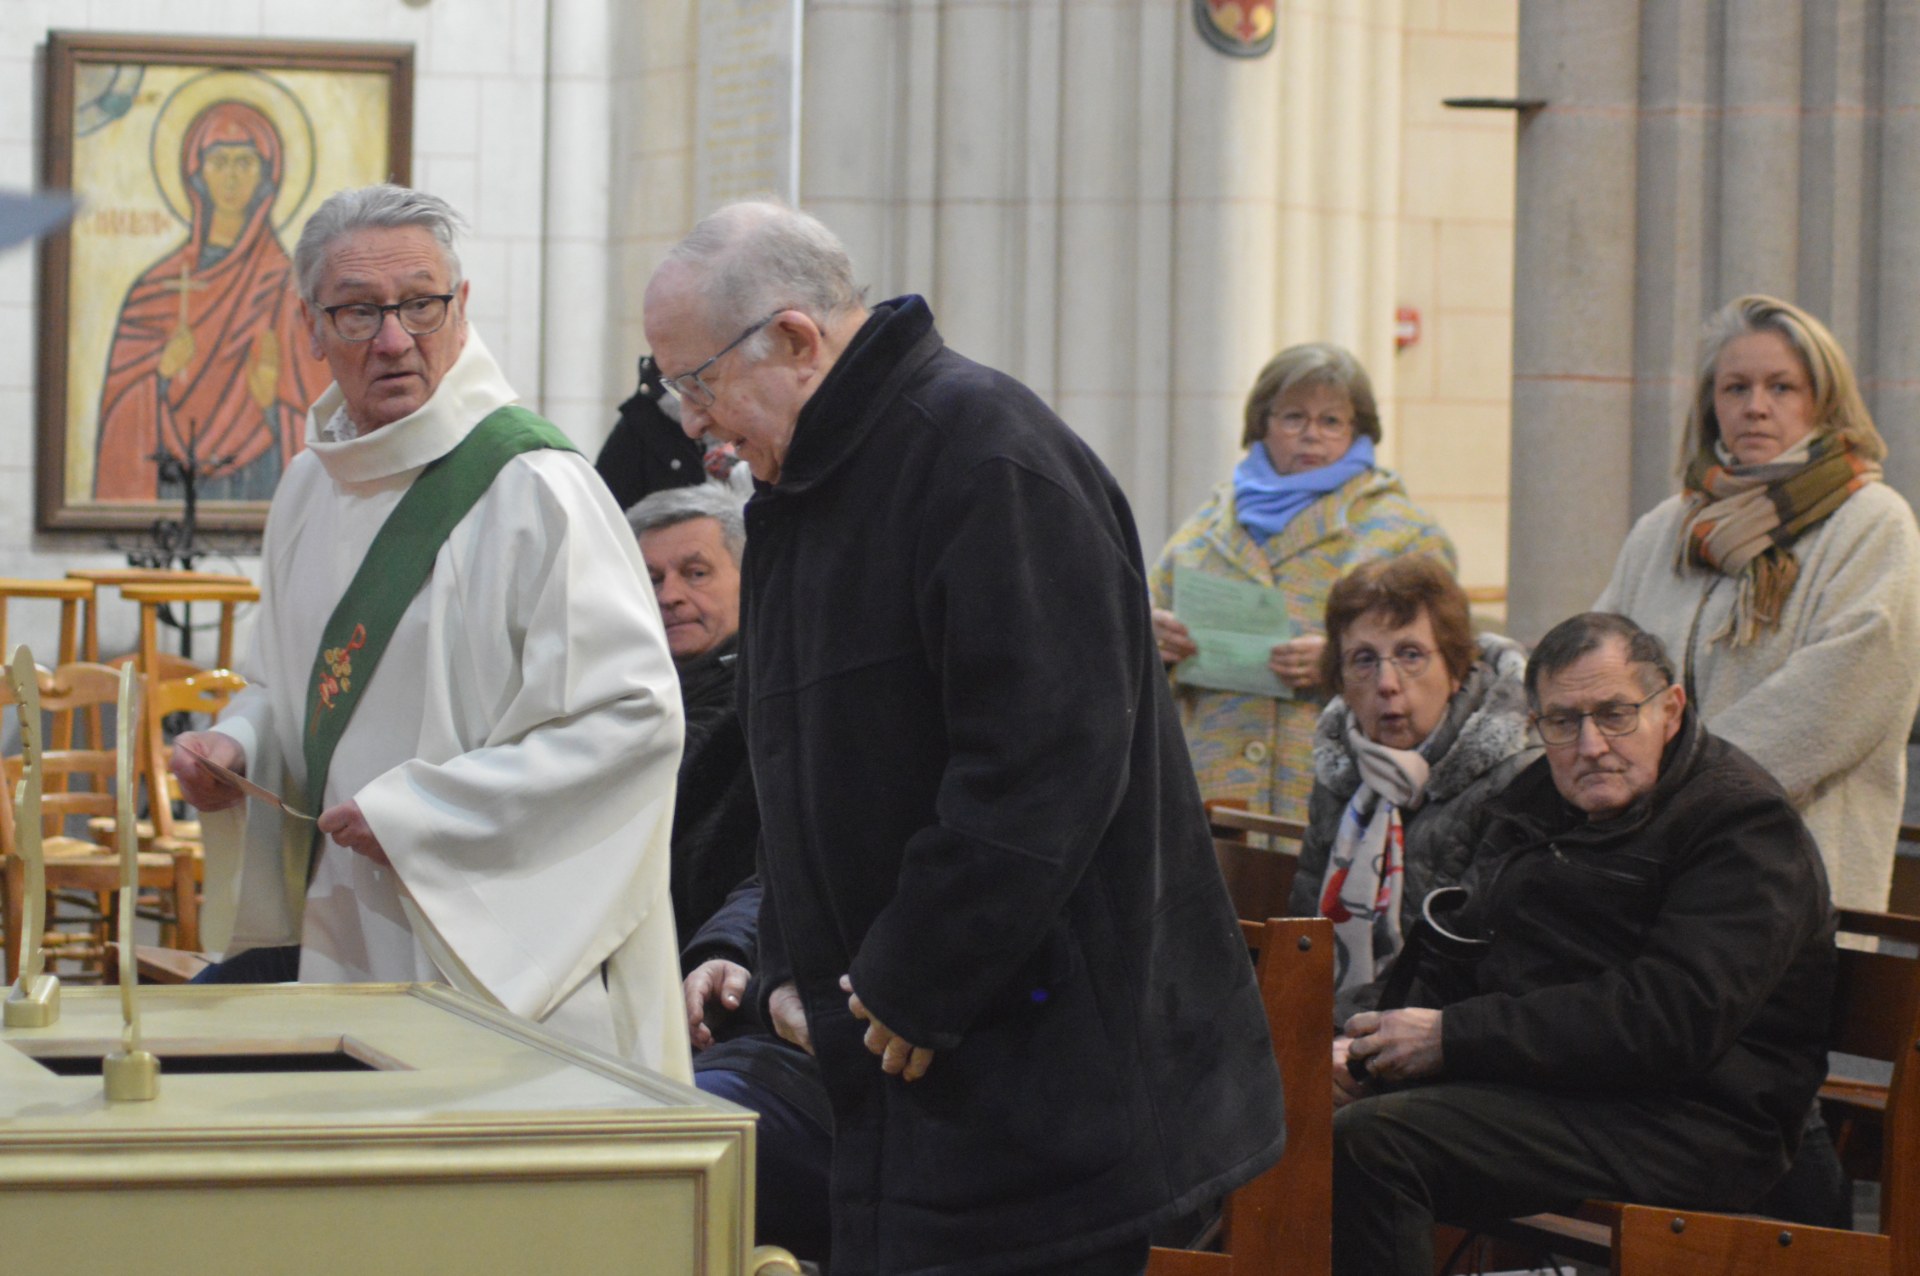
{"points": [[1785, 579]]}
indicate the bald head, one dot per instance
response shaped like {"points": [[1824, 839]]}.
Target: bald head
{"points": [[747, 260], [745, 317]]}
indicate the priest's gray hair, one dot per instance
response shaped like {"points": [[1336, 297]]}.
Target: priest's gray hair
{"points": [[382, 207], [684, 504], [759, 257]]}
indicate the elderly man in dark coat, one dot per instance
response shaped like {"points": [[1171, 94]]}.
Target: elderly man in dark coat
{"points": [[1628, 996], [985, 858]]}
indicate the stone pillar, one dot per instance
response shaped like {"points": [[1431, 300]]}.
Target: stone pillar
{"points": [[1573, 308]]}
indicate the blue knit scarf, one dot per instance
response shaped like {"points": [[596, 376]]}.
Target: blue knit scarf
{"points": [[1265, 500]]}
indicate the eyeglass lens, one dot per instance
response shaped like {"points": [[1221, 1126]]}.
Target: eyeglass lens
{"points": [[360, 321]]}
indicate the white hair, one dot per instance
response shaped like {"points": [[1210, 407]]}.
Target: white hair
{"points": [[760, 257], [385, 206], [677, 505]]}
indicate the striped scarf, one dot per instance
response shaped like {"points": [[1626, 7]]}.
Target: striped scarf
{"points": [[1745, 519]]}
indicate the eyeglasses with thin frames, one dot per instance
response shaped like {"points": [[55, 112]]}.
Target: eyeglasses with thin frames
{"points": [[1562, 728], [688, 385], [1294, 423], [1364, 665], [362, 320]]}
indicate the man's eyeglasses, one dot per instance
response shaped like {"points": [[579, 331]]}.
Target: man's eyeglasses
{"points": [[1561, 728], [1364, 665], [1294, 423], [688, 385], [361, 320]]}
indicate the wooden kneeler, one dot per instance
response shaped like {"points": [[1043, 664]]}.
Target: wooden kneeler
{"points": [[1283, 1220]]}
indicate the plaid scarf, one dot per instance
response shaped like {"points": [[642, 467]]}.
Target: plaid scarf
{"points": [[1745, 519]]}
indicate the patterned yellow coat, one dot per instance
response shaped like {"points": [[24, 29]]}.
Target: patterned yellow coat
{"points": [[1255, 749]]}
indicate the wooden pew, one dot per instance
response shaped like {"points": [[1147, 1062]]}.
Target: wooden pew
{"points": [[1283, 1220], [1257, 854], [1876, 1015]]}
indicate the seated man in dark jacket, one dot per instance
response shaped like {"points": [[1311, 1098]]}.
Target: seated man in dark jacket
{"points": [[1629, 1000], [692, 539]]}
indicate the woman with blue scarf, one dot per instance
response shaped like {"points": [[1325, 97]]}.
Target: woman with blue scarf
{"points": [[1305, 506]]}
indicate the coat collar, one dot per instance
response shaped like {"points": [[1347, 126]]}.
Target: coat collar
{"points": [[473, 387], [892, 345]]}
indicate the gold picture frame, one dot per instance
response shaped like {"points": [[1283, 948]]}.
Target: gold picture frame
{"points": [[168, 309]]}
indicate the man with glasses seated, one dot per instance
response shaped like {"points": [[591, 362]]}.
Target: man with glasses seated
{"points": [[1627, 996], [458, 667]]}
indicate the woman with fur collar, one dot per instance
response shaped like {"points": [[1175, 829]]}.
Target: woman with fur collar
{"points": [[1428, 725]]}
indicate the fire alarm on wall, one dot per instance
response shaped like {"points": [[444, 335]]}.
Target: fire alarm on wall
{"points": [[1406, 327]]}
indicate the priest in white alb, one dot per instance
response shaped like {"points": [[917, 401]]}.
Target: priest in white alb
{"points": [[459, 667]]}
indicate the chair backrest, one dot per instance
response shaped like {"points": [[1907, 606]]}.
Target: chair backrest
{"points": [[68, 689], [1876, 1015], [65, 690], [1283, 1220], [70, 594], [1257, 854], [123, 578]]}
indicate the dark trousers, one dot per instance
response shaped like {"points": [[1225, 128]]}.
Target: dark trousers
{"points": [[255, 966], [790, 1174], [1469, 1153]]}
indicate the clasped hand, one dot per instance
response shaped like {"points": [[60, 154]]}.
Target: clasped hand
{"points": [[1397, 1045], [898, 1056]]}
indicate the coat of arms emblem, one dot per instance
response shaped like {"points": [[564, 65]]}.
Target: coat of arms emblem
{"points": [[1241, 28]]}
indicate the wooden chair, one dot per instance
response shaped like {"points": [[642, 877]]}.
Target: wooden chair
{"points": [[1257, 854], [72, 595], [159, 668], [1283, 1220], [75, 864], [1876, 1015], [121, 577]]}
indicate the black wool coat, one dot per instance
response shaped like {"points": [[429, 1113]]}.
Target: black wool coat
{"points": [[1680, 954], [976, 799], [716, 823]]}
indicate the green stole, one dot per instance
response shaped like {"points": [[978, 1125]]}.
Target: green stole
{"points": [[397, 564]]}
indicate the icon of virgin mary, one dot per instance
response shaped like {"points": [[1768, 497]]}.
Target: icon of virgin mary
{"points": [[209, 359]]}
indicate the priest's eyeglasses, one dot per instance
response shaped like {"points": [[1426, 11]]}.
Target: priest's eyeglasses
{"points": [[688, 385], [361, 320], [1364, 665], [1563, 728]]}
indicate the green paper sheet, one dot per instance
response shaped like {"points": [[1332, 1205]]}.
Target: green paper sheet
{"points": [[1236, 625]]}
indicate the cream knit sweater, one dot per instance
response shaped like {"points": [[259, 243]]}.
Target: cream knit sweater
{"points": [[1824, 701]]}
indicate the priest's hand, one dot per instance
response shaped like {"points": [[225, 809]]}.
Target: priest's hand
{"points": [[1297, 662], [790, 1016], [1398, 1045], [898, 1056], [348, 827], [718, 980], [197, 784]]}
